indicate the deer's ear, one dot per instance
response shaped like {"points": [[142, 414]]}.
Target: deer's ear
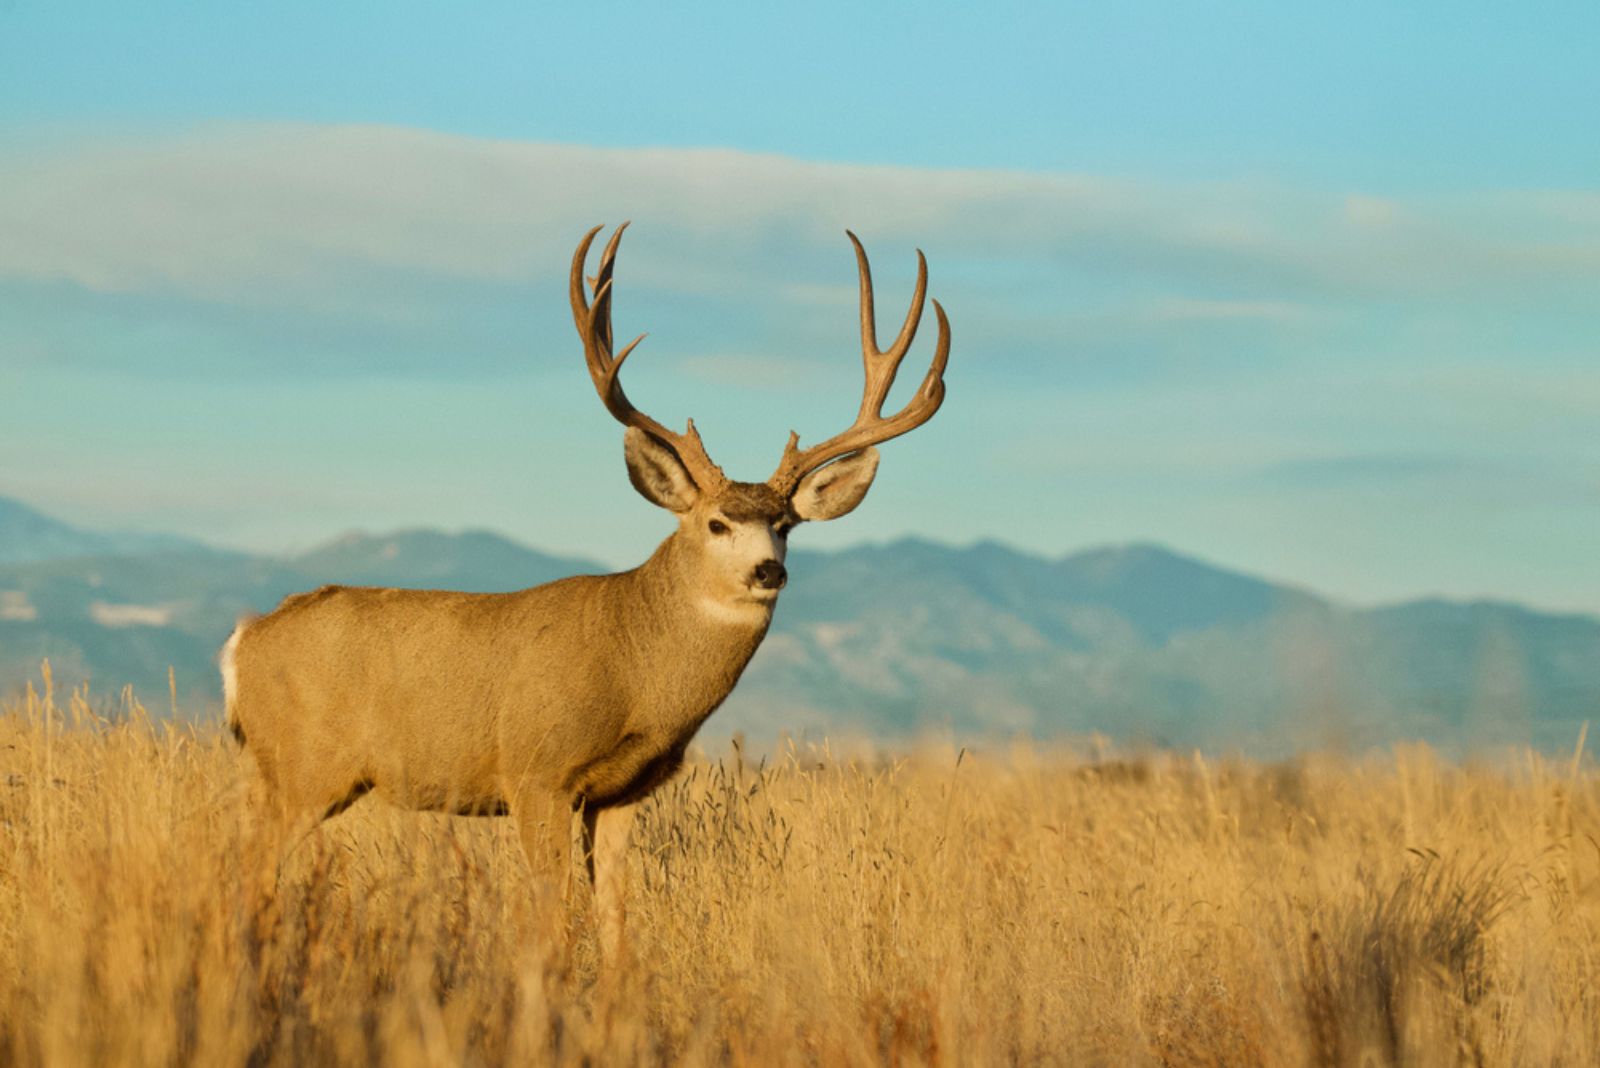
{"points": [[657, 473], [834, 490]]}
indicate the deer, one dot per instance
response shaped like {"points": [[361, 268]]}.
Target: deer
{"points": [[578, 697]]}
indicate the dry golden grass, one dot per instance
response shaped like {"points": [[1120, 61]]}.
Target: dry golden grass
{"points": [[1000, 909]]}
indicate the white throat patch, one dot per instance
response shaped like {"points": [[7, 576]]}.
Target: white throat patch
{"points": [[742, 613]]}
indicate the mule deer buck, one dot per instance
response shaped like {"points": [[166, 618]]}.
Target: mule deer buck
{"points": [[578, 695]]}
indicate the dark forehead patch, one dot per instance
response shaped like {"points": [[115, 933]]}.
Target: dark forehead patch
{"points": [[751, 501]]}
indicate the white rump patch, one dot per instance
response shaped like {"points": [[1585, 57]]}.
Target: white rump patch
{"points": [[230, 671], [130, 615]]}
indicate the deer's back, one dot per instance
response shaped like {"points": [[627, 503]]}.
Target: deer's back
{"points": [[414, 692]]}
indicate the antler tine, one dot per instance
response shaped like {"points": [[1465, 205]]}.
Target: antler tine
{"points": [[580, 304], [870, 427], [882, 365], [593, 320], [608, 265]]}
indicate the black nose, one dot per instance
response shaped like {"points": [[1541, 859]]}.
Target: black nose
{"points": [[770, 575]]}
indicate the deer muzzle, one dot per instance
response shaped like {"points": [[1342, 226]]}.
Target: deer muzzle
{"points": [[769, 575]]}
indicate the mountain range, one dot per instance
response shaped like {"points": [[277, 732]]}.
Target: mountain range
{"points": [[27, 535], [1134, 642]]}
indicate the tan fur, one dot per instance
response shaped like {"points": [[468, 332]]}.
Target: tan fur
{"points": [[581, 694]]}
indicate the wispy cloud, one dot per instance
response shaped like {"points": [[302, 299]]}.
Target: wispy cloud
{"points": [[1181, 310], [1365, 470], [757, 371], [1421, 479], [291, 215]]}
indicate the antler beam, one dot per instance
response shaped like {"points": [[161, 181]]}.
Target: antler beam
{"points": [[593, 321], [881, 366]]}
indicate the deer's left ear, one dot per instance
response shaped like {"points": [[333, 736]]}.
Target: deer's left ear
{"points": [[834, 490]]}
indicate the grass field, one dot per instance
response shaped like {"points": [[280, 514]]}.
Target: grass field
{"points": [[1013, 906]]}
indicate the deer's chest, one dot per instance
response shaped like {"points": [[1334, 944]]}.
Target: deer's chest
{"points": [[650, 719], [650, 748], [633, 768]]}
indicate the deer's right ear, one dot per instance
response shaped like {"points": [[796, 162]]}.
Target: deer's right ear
{"points": [[657, 473]]}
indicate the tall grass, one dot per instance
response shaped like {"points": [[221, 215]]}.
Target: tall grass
{"points": [[999, 908]]}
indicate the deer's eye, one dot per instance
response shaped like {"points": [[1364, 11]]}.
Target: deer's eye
{"points": [[782, 527], [717, 526]]}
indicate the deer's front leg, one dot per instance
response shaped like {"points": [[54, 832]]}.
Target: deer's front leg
{"points": [[606, 835], [544, 819]]}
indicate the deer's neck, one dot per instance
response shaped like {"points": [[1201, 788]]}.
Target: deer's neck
{"points": [[700, 646], [683, 601]]}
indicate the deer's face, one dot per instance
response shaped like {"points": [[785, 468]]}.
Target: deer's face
{"points": [[737, 533], [741, 535]]}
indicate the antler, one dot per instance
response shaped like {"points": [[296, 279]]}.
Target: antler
{"points": [[870, 427], [594, 326]]}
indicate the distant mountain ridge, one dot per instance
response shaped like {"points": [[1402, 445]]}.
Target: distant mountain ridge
{"points": [[28, 535], [1136, 641], [475, 560]]}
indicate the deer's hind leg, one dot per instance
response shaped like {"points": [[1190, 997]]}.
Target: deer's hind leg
{"points": [[288, 801]]}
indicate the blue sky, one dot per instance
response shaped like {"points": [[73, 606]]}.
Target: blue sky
{"points": [[1308, 290]]}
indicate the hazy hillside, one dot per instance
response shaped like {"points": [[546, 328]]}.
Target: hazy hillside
{"points": [[1136, 642], [1139, 642], [27, 535], [120, 619]]}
